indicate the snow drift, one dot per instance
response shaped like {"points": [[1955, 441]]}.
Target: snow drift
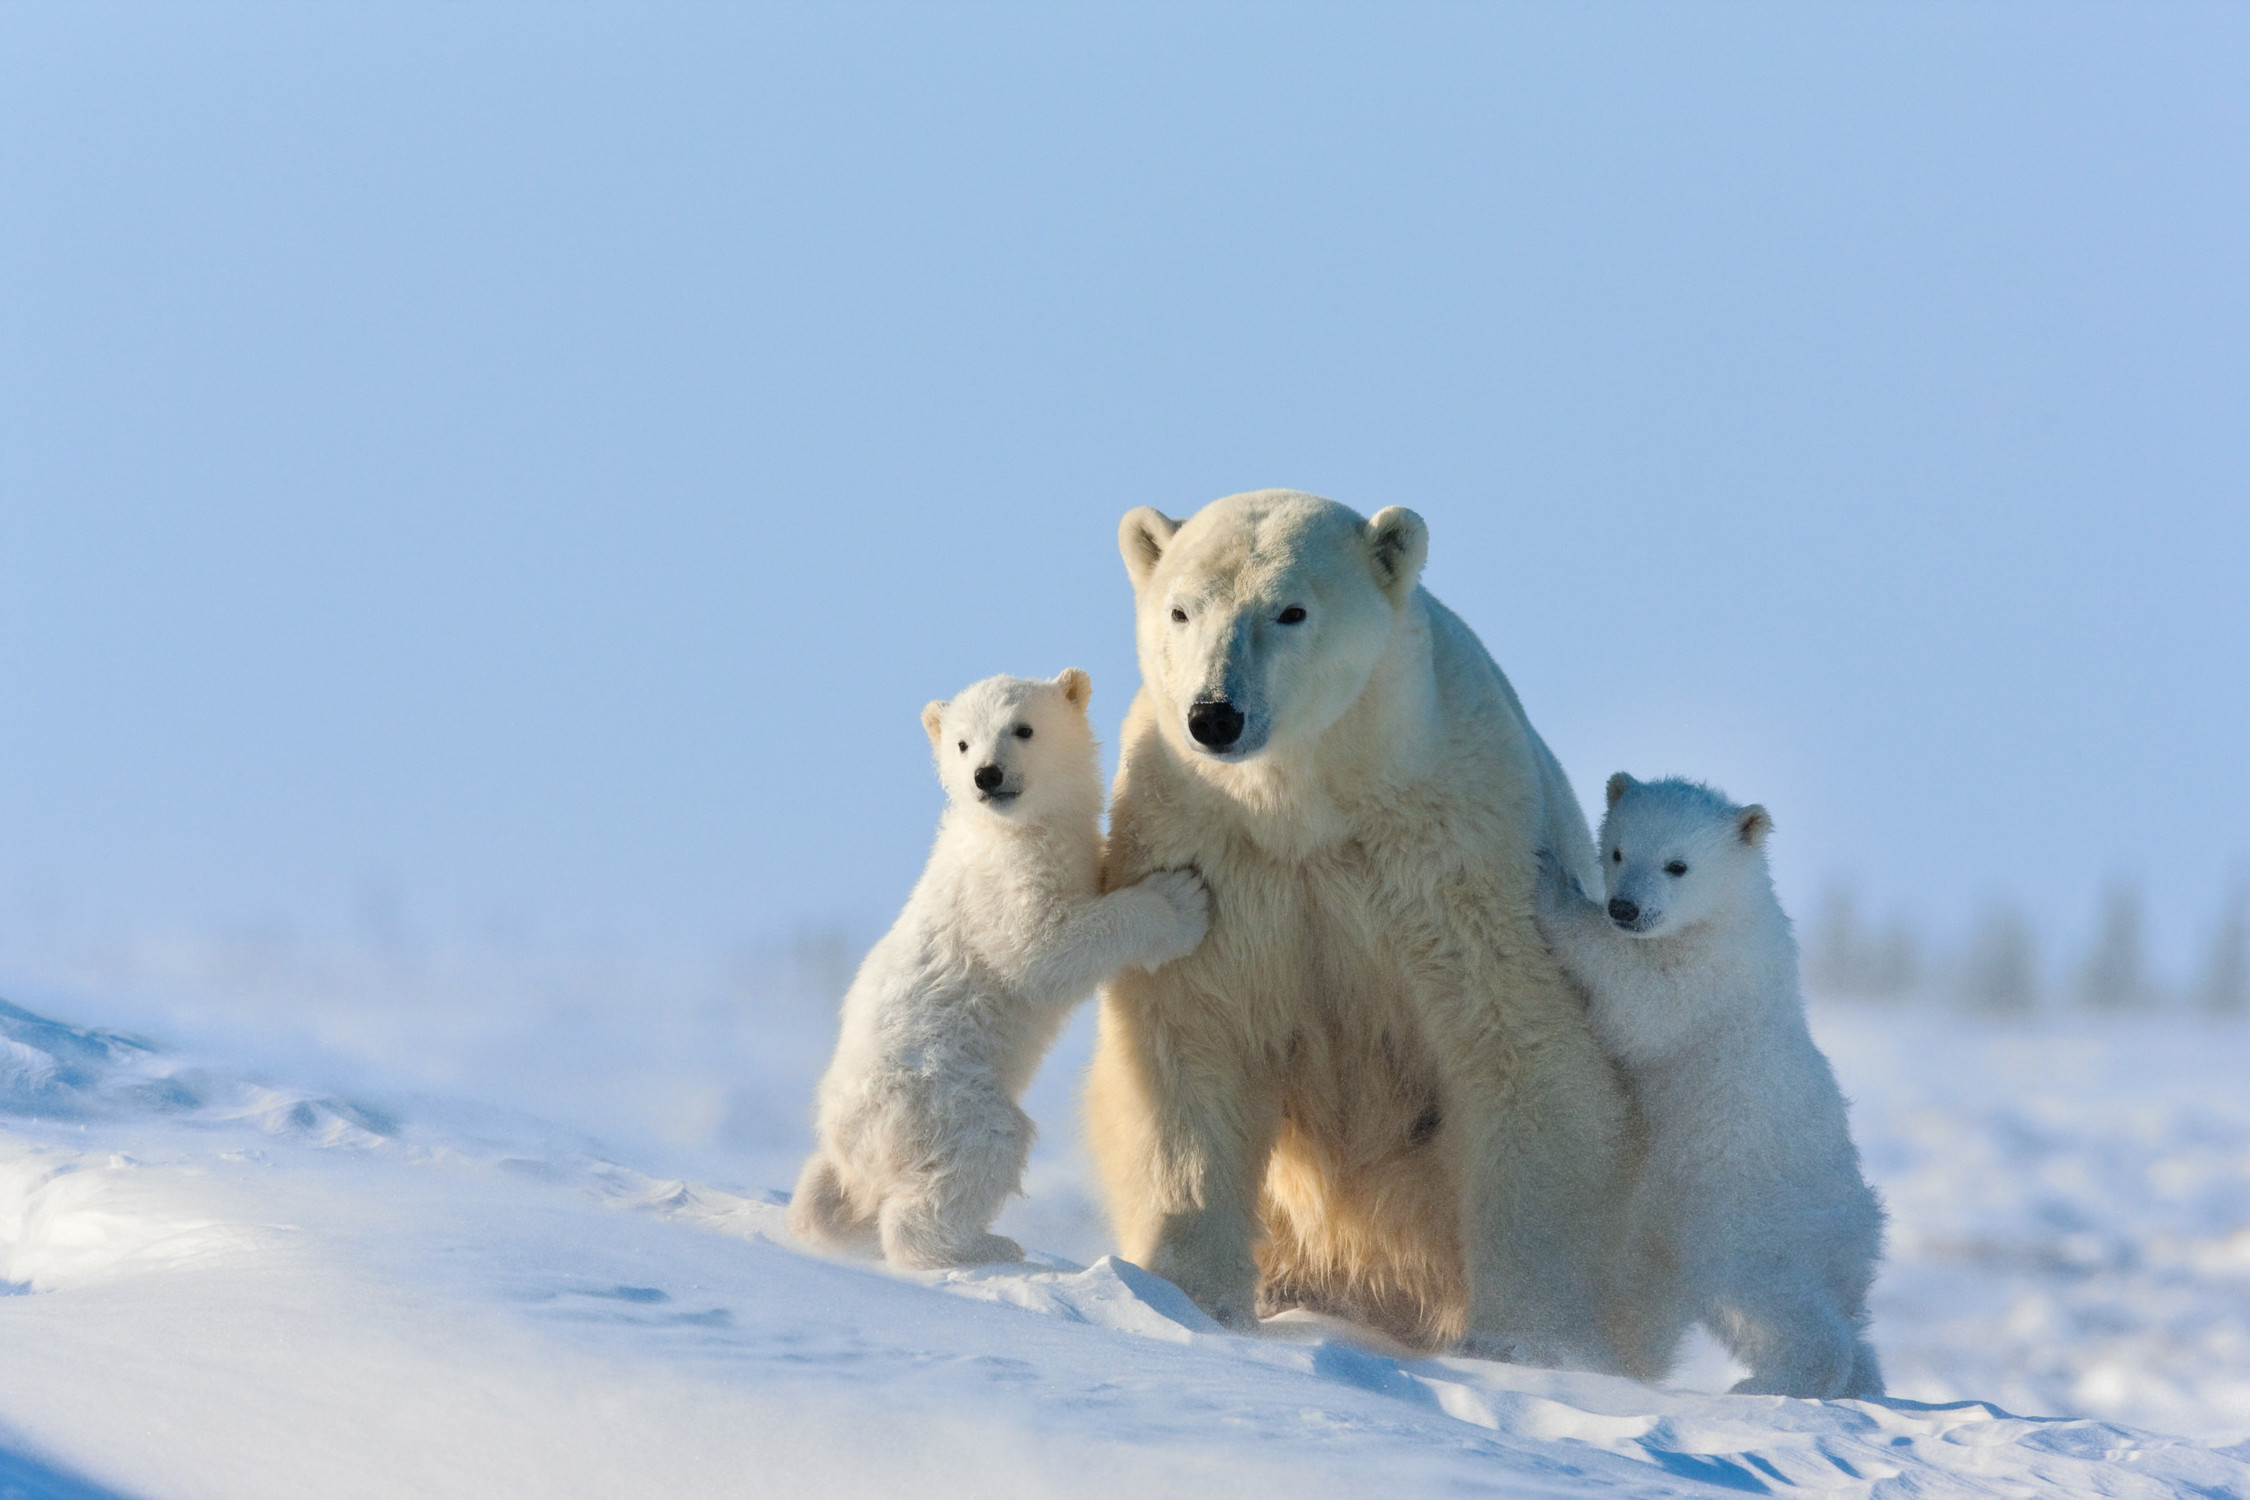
{"points": [[228, 1286]]}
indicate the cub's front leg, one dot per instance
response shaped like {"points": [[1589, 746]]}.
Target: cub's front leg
{"points": [[1159, 918], [1181, 1131], [1147, 924], [1571, 921], [1577, 931]]}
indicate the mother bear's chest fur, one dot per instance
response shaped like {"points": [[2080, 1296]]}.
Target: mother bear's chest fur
{"points": [[1342, 969], [1326, 995]]}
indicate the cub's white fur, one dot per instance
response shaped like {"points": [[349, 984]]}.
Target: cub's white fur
{"points": [[1751, 1214], [921, 1138]]}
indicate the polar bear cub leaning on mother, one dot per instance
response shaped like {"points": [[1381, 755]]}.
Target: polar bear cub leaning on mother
{"points": [[1751, 1214], [921, 1138]]}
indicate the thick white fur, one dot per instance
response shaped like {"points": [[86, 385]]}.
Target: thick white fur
{"points": [[1371, 1091], [921, 1138], [1751, 1214]]}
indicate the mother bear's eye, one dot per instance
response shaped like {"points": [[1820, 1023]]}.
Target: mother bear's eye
{"points": [[1023, 731], [964, 747], [1179, 616], [1293, 615], [1675, 868]]}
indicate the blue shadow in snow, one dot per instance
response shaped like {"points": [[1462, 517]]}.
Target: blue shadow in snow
{"points": [[25, 1478], [1725, 1470]]}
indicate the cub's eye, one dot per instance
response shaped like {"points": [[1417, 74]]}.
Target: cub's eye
{"points": [[1179, 617], [1293, 615], [1676, 867], [1617, 856], [964, 747], [1023, 731]]}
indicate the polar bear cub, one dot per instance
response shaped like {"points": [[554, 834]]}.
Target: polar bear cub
{"points": [[1751, 1214], [921, 1138]]}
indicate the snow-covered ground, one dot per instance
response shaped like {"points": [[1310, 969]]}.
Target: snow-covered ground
{"points": [[528, 1242]]}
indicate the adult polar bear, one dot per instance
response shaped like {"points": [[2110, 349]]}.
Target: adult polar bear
{"points": [[1370, 1091]]}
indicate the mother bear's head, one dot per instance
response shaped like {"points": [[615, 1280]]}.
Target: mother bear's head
{"points": [[1262, 617]]}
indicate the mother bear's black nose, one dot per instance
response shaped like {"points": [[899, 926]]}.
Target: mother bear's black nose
{"points": [[1623, 912], [988, 778], [1217, 724]]}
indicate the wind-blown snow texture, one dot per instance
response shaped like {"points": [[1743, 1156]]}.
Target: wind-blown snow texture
{"points": [[230, 1287]]}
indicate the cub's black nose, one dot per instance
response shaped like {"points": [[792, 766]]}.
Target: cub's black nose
{"points": [[988, 778], [1217, 725], [1623, 912]]}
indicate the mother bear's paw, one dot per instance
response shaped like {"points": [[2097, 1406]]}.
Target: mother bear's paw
{"points": [[1511, 1349], [1227, 1291]]}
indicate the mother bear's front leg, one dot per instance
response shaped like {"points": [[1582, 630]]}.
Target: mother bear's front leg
{"points": [[1182, 1121], [1539, 1200]]}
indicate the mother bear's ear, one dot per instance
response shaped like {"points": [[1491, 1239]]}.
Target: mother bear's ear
{"points": [[1398, 544], [1142, 536]]}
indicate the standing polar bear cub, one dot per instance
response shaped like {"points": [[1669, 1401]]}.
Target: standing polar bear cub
{"points": [[1750, 1214], [921, 1138]]}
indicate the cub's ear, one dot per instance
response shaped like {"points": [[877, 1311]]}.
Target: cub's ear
{"points": [[1619, 785], [1076, 686], [1142, 536], [1398, 544], [933, 719], [1753, 823]]}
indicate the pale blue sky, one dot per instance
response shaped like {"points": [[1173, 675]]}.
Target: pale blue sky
{"points": [[539, 459]]}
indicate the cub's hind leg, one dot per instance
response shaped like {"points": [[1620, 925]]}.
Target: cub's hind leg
{"points": [[823, 1211], [1649, 1309], [1867, 1372], [1792, 1335], [958, 1177]]}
